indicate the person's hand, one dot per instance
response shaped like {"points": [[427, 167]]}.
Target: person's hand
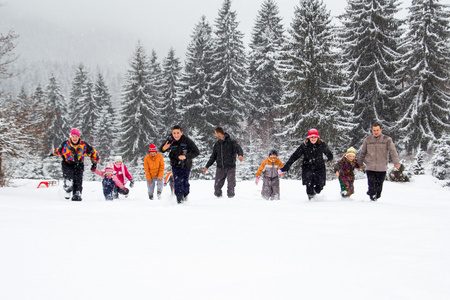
{"points": [[131, 183], [182, 157], [150, 181], [93, 167], [280, 173], [166, 145], [160, 179], [337, 174], [50, 155], [256, 180], [241, 158], [125, 191], [362, 168], [397, 166], [204, 171]]}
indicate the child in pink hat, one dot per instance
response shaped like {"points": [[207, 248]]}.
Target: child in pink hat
{"points": [[110, 180]]}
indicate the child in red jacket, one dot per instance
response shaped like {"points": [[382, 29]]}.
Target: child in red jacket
{"points": [[122, 174], [110, 181]]}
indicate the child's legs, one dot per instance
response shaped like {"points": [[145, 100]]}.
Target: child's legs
{"points": [[276, 188], [151, 186], [159, 185], [108, 188], [181, 181], [266, 191]]}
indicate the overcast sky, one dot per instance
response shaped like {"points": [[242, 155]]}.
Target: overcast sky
{"points": [[106, 31]]}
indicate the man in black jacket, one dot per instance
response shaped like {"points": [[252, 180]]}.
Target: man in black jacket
{"points": [[224, 154], [182, 151]]}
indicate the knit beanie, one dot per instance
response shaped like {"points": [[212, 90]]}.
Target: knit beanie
{"points": [[109, 168], [75, 131], [118, 158], [351, 151], [152, 148]]}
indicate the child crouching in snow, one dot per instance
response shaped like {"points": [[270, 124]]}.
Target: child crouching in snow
{"points": [[344, 171], [271, 183], [122, 174], [110, 181]]}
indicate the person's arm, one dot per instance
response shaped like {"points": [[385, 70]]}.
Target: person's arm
{"points": [[192, 150], [296, 155], [328, 153], [362, 154], [261, 168], [127, 174], [117, 182], [161, 167], [393, 153], [239, 151]]}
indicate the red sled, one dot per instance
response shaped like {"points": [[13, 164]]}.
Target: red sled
{"points": [[47, 183]]}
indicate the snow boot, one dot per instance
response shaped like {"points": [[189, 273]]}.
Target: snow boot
{"points": [[109, 197], [158, 194], [180, 199], [310, 196], [76, 196], [373, 198], [150, 196]]}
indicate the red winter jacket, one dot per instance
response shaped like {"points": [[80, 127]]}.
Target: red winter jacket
{"points": [[122, 173]]}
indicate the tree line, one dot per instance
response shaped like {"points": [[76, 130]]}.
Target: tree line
{"points": [[372, 67]]}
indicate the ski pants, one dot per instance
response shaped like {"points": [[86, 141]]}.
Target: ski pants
{"points": [[181, 181], [151, 186], [73, 177], [375, 181], [271, 188], [223, 174], [109, 187], [314, 184]]}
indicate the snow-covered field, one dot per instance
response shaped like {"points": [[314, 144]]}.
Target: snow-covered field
{"points": [[240, 248]]}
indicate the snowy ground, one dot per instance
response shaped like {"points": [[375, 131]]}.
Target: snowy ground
{"points": [[240, 248]]}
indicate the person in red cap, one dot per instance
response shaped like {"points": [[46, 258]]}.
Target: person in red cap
{"points": [[72, 153], [154, 171], [313, 164]]}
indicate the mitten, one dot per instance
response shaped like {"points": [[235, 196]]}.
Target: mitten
{"points": [[256, 180], [131, 183], [50, 155], [281, 173], [126, 191]]}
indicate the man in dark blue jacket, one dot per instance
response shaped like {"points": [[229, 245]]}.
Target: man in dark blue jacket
{"points": [[224, 154]]}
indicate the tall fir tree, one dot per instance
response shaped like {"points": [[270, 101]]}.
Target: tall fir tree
{"points": [[139, 116], [57, 131], [230, 73], [76, 94], [157, 96], [195, 83], [265, 83], [370, 37], [171, 72], [88, 112], [311, 75], [426, 99], [105, 131]]}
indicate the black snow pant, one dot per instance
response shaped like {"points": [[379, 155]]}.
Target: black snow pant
{"points": [[375, 181], [271, 188], [73, 177], [313, 181], [108, 188], [221, 174]]}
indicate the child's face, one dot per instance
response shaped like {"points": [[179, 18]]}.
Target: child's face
{"points": [[313, 140], [177, 133], [273, 156], [108, 175], [350, 157], [118, 163]]}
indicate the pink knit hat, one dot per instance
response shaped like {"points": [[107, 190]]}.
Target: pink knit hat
{"points": [[109, 168], [75, 131]]}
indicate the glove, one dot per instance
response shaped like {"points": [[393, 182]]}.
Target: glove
{"points": [[165, 183], [94, 166], [256, 180], [131, 183], [126, 191], [50, 155], [281, 173]]}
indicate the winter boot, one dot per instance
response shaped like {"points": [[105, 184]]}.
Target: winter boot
{"points": [[373, 198], [116, 195], [310, 196], [109, 197], [180, 199], [76, 196], [158, 194], [150, 196]]}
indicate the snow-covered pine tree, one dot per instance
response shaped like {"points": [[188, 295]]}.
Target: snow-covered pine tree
{"points": [[426, 99], [370, 37], [76, 94], [418, 165], [157, 98], [88, 112], [57, 131], [171, 72], [38, 114], [105, 131], [265, 85], [139, 117], [200, 161], [230, 73], [441, 160], [311, 75], [195, 95]]}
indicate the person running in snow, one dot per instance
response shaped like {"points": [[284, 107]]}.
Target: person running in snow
{"points": [[110, 182], [154, 171], [122, 174], [72, 153], [224, 154], [313, 164], [169, 180], [375, 155], [344, 171], [182, 151], [269, 170]]}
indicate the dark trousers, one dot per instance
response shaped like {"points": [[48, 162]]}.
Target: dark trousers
{"points": [[312, 181], [271, 188], [221, 174], [375, 181], [108, 188], [73, 177], [181, 181]]}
